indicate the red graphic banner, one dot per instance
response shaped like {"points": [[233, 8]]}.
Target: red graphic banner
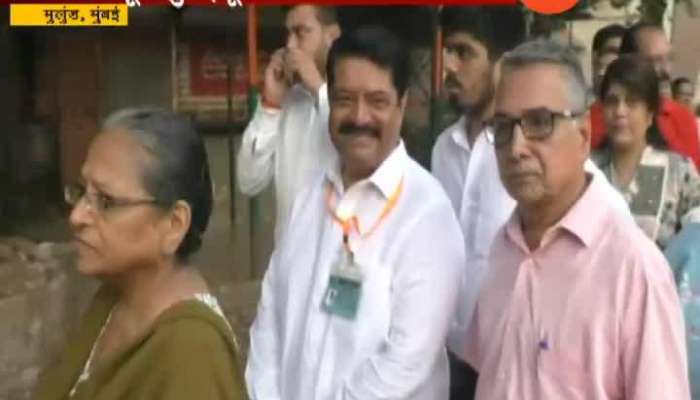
{"points": [[540, 6], [243, 3]]}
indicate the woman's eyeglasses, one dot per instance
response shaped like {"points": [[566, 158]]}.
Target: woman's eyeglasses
{"points": [[100, 202]]}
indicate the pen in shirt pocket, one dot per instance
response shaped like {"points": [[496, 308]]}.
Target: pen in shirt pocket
{"points": [[543, 344]]}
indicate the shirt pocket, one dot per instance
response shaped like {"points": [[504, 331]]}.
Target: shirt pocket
{"points": [[374, 313], [357, 339]]}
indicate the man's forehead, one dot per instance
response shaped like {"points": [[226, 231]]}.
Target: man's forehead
{"points": [[612, 43], [370, 89], [463, 38], [652, 39], [352, 72], [686, 87], [298, 16], [546, 86], [610, 47], [539, 71]]}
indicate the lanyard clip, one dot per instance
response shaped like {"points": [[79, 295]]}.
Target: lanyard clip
{"points": [[350, 259]]}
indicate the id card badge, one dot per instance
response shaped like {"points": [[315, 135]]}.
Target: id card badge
{"points": [[342, 296]]}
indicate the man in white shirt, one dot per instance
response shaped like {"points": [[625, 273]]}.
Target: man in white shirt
{"points": [[287, 139], [465, 162], [362, 285]]}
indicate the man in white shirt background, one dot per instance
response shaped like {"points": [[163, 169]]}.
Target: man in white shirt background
{"points": [[362, 285], [287, 138], [465, 162]]}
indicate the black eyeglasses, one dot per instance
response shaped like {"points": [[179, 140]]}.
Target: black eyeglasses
{"points": [[536, 124], [100, 202]]}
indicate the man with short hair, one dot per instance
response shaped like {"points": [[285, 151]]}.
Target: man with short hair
{"points": [[463, 160], [287, 138], [683, 91], [605, 49], [676, 123], [578, 303], [363, 282]]}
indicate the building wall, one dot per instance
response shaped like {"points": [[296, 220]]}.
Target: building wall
{"points": [[78, 92], [9, 117], [686, 31], [135, 69]]}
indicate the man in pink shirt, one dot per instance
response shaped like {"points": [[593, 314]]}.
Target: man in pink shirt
{"points": [[577, 303]]}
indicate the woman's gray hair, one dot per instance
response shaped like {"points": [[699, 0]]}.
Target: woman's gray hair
{"points": [[546, 51], [180, 169]]}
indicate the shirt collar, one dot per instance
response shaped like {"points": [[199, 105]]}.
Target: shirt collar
{"points": [[577, 221], [458, 133], [590, 207], [386, 178]]}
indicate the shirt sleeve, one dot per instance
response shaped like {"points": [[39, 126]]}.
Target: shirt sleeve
{"points": [[694, 140], [687, 128], [689, 206], [451, 183], [322, 100], [255, 162], [654, 362], [262, 370], [430, 269], [683, 253]]}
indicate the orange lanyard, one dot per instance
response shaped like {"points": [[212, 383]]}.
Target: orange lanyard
{"points": [[349, 223]]}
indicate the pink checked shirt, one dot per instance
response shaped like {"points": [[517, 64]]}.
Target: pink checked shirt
{"points": [[591, 314]]}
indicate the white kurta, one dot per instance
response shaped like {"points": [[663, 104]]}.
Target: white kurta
{"points": [[290, 145], [412, 265], [471, 179]]}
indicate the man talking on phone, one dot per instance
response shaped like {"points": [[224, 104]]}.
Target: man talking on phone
{"points": [[287, 139]]}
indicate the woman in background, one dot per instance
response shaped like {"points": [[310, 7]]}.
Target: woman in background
{"points": [[661, 187], [153, 331]]}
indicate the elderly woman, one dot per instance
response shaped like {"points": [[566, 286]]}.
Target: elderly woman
{"points": [[661, 187], [153, 331]]}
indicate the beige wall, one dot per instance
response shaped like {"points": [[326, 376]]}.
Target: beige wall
{"points": [[686, 45]]}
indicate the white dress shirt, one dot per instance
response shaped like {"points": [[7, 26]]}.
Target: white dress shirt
{"points": [[469, 175], [290, 144], [412, 265]]}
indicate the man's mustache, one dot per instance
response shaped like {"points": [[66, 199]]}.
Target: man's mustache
{"points": [[350, 128], [451, 81]]}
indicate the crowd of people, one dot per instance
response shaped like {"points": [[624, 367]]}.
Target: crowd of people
{"points": [[552, 252]]}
